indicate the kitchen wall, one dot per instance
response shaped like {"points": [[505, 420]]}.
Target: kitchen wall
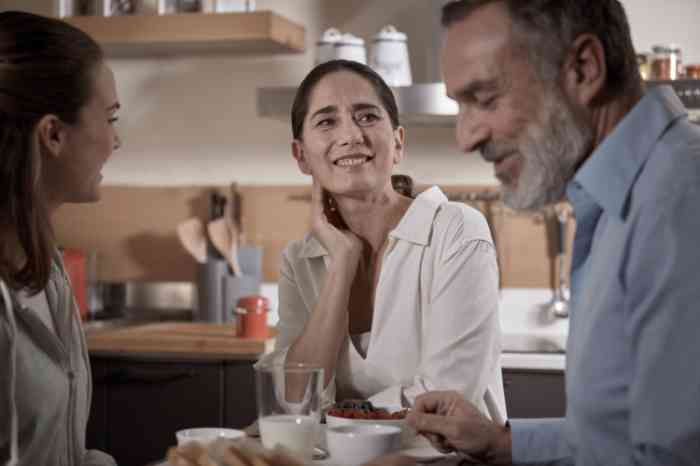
{"points": [[192, 119]]}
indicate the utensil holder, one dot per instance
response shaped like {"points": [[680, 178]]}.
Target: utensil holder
{"points": [[210, 293], [250, 259]]}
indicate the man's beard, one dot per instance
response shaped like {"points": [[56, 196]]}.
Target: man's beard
{"points": [[551, 150]]}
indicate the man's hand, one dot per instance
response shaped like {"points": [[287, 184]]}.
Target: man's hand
{"points": [[453, 424]]}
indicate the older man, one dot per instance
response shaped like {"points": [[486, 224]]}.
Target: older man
{"points": [[549, 92]]}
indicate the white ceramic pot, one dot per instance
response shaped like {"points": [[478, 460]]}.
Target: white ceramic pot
{"points": [[389, 57], [352, 48], [325, 47]]}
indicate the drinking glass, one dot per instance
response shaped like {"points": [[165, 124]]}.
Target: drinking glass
{"points": [[289, 406]]}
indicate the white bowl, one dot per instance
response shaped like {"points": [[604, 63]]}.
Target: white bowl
{"points": [[357, 444], [408, 434], [206, 435]]}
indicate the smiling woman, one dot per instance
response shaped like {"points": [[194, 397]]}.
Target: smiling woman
{"points": [[391, 295], [58, 104]]}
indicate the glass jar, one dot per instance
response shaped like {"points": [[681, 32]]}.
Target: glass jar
{"points": [[666, 62]]}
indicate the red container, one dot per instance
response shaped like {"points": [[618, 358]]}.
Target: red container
{"points": [[252, 316], [76, 267]]}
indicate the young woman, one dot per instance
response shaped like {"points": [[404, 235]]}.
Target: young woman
{"points": [[392, 296], [58, 104]]}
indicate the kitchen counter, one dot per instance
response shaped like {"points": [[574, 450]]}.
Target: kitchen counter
{"points": [[534, 361], [175, 340], [188, 340], [531, 338]]}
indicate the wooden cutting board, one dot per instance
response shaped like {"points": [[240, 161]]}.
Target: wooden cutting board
{"points": [[182, 339]]}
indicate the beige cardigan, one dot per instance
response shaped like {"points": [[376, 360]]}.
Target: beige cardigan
{"points": [[45, 383]]}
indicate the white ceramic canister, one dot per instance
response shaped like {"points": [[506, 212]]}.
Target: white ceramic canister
{"points": [[352, 48], [389, 57], [325, 47], [227, 6]]}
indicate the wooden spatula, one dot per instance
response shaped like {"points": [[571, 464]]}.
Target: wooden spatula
{"points": [[222, 237], [191, 235]]}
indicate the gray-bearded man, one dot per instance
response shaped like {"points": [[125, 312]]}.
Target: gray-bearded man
{"points": [[549, 92]]}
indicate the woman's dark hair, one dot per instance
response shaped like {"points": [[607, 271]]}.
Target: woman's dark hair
{"points": [[46, 67], [549, 27], [300, 108]]}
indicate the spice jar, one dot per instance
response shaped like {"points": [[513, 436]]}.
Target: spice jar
{"points": [[692, 71], [252, 316], [667, 63], [644, 64]]}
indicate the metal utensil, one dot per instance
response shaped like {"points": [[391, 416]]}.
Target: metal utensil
{"points": [[492, 408], [192, 237], [559, 306]]}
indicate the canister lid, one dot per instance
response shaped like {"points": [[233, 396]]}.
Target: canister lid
{"points": [[390, 33], [349, 39], [330, 36], [253, 302]]}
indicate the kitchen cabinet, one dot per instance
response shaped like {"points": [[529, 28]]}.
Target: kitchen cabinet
{"points": [[534, 393], [260, 32], [138, 405]]}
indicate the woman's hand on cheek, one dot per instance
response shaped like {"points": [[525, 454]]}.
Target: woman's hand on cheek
{"points": [[343, 246]]}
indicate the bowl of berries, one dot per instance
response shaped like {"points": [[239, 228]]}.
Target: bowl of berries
{"points": [[364, 413]]}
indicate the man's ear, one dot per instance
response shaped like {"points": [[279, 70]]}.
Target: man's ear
{"points": [[300, 157], [585, 71], [399, 144], [52, 135]]}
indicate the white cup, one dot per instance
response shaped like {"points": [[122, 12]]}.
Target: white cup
{"points": [[389, 57], [325, 47], [358, 444], [352, 48]]}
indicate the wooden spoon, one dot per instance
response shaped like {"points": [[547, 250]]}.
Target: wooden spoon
{"points": [[191, 235], [222, 237]]}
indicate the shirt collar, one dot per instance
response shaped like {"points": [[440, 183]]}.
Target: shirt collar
{"points": [[415, 226], [417, 223], [610, 172]]}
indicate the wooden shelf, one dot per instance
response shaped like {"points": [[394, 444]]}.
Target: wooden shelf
{"points": [[260, 32]]}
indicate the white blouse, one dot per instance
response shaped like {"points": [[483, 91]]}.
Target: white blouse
{"points": [[435, 324]]}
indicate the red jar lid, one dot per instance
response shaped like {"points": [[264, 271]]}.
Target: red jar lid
{"points": [[253, 302]]}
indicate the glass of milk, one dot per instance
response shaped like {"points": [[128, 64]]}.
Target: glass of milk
{"points": [[289, 406]]}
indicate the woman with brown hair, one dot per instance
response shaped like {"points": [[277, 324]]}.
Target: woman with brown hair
{"points": [[58, 106]]}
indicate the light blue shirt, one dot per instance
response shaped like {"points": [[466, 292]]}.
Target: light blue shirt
{"points": [[633, 353]]}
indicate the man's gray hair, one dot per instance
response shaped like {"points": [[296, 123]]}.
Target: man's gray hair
{"points": [[549, 27]]}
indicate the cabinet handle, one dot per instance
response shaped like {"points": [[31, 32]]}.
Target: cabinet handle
{"points": [[124, 376]]}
